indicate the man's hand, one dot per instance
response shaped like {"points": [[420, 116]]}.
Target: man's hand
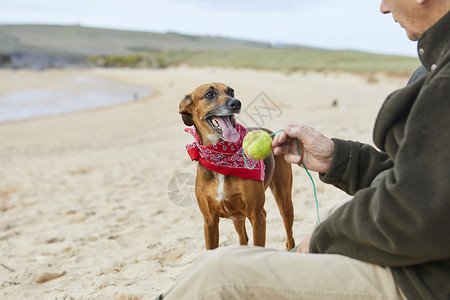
{"points": [[303, 247], [316, 150]]}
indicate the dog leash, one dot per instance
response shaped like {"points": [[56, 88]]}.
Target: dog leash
{"points": [[307, 172]]}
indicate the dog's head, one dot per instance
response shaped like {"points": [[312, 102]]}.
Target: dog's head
{"points": [[211, 108]]}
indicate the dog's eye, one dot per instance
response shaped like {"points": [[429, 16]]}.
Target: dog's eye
{"points": [[210, 95], [231, 93]]}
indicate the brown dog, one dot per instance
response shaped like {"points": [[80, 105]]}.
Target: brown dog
{"points": [[210, 108]]}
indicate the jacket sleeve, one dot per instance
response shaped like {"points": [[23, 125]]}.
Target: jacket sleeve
{"points": [[402, 220], [355, 165]]}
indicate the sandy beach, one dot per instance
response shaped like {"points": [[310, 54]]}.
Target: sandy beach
{"points": [[84, 203]]}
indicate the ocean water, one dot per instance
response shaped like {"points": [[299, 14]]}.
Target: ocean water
{"points": [[73, 94]]}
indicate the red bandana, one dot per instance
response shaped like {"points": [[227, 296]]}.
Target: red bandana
{"points": [[225, 157]]}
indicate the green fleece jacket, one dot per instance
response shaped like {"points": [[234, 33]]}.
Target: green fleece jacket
{"points": [[400, 213]]}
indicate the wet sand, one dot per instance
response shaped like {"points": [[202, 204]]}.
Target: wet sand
{"points": [[62, 94]]}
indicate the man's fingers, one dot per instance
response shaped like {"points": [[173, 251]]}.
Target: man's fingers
{"points": [[279, 139], [281, 143], [298, 131], [292, 158], [284, 148]]}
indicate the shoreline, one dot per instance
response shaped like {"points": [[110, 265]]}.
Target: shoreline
{"points": [[48, 96]]}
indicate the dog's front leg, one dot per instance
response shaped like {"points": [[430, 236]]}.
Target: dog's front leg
{"points": [[211, 228]]}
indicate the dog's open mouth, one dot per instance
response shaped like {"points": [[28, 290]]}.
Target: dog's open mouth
{"points": [[225, 126]]}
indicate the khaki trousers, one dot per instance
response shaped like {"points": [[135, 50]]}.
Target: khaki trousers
{"points": [[246, 272]]}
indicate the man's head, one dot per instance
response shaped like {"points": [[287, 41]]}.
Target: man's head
{"points": [[415, 16]]}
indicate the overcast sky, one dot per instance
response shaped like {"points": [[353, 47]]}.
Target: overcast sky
{"points": [[338, 24]]}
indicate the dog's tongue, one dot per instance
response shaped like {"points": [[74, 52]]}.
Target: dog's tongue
{"points": [[228, 131]]}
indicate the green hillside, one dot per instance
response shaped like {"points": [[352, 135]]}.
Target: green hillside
{"points": [[82, 41]]}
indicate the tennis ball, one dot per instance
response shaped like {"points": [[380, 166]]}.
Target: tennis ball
{"points": [[257, 144]]}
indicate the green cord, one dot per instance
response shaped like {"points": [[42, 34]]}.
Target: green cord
{"points": [[314, 186], [307, 172]]}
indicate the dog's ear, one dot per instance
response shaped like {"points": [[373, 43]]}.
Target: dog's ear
{"points": [[185, 115]]}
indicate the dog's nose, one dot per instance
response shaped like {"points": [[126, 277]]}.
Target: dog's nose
{"points": [[234, 104]]}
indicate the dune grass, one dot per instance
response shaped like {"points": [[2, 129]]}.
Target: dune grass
{"points": [[280, 59], [297, 59]]}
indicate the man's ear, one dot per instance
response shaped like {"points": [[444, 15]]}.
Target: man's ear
{"points": [[185, 114]]}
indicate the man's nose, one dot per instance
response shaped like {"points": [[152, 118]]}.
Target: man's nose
{"points": [[384, 8]]}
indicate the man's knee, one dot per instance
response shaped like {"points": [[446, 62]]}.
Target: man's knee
{"points": [[218, 258]]}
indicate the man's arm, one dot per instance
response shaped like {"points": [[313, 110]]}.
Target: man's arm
{"points": [[403, 220], [355, 165]]}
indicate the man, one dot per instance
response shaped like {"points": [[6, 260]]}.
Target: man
{"points": [[392, 241]]}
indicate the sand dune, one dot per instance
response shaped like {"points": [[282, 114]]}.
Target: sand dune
{"points": [[84, 205]]}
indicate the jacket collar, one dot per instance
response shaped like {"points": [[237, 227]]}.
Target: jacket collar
{"points": [[434, 44]]}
